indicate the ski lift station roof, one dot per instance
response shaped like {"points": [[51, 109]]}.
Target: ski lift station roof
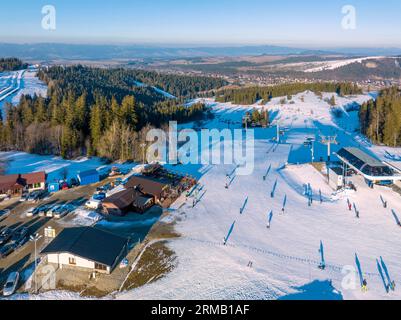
{"points": [[371, 168]]}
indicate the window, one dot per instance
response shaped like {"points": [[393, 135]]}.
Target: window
{"points": [[101, 267], [72, 261]]}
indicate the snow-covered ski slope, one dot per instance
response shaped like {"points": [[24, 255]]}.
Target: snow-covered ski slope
{"points": [[17, 83], [284, 258]]}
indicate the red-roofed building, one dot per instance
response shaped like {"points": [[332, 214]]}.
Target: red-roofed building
{"points": [[16, 184]]}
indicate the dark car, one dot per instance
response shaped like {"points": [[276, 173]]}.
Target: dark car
{"points": [[5, 235], [6, 251], [74, 183], [19, 238], [107, 187], [100, 196], [4, 212]]}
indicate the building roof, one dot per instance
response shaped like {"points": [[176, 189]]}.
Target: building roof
{"points": [[36, 177], [88, 243], [147, 185], [364, 157], [370, 167], [88, 173], [122, 199], [127, 198]]}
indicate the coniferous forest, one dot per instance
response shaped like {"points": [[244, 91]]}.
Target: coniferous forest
{"points": [[92, 111], [251, 95], [380, 119], [11, 64]]}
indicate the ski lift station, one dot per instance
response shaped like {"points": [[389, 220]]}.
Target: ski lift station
{"points": [[373, 170]]}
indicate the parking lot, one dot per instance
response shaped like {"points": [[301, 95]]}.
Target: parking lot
{"points": [[15, 219]]}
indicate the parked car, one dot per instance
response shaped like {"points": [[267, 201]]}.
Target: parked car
{"points": [[99, 196], [19, 238], [6, 250], [64, 186], [33, 196], [5, 235], [24, 197], [125, 171], [33, 211], [93, 204], [4, 212], [11, 284], [115, 171], [64, 210], [51, 212], [74, 183], [107, 187], [44, 209]]}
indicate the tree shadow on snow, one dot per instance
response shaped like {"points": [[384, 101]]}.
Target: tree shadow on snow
{"points": [[317, 290]]}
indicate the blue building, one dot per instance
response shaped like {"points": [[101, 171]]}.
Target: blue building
{"points": [[88, 177]]}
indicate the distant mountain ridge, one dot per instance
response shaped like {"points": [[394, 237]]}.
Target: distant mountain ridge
{"points": [[52, 51]]}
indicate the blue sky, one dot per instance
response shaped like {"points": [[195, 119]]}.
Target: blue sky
{"points": [[312, 23]]}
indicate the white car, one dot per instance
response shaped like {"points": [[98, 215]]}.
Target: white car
{"points": [[11, 284], [30, 211], [50, 213], [93, 204]]}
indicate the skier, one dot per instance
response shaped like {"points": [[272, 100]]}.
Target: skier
{"points": [[364, 286], [269, 220], [322, 265], [391, 283]]}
